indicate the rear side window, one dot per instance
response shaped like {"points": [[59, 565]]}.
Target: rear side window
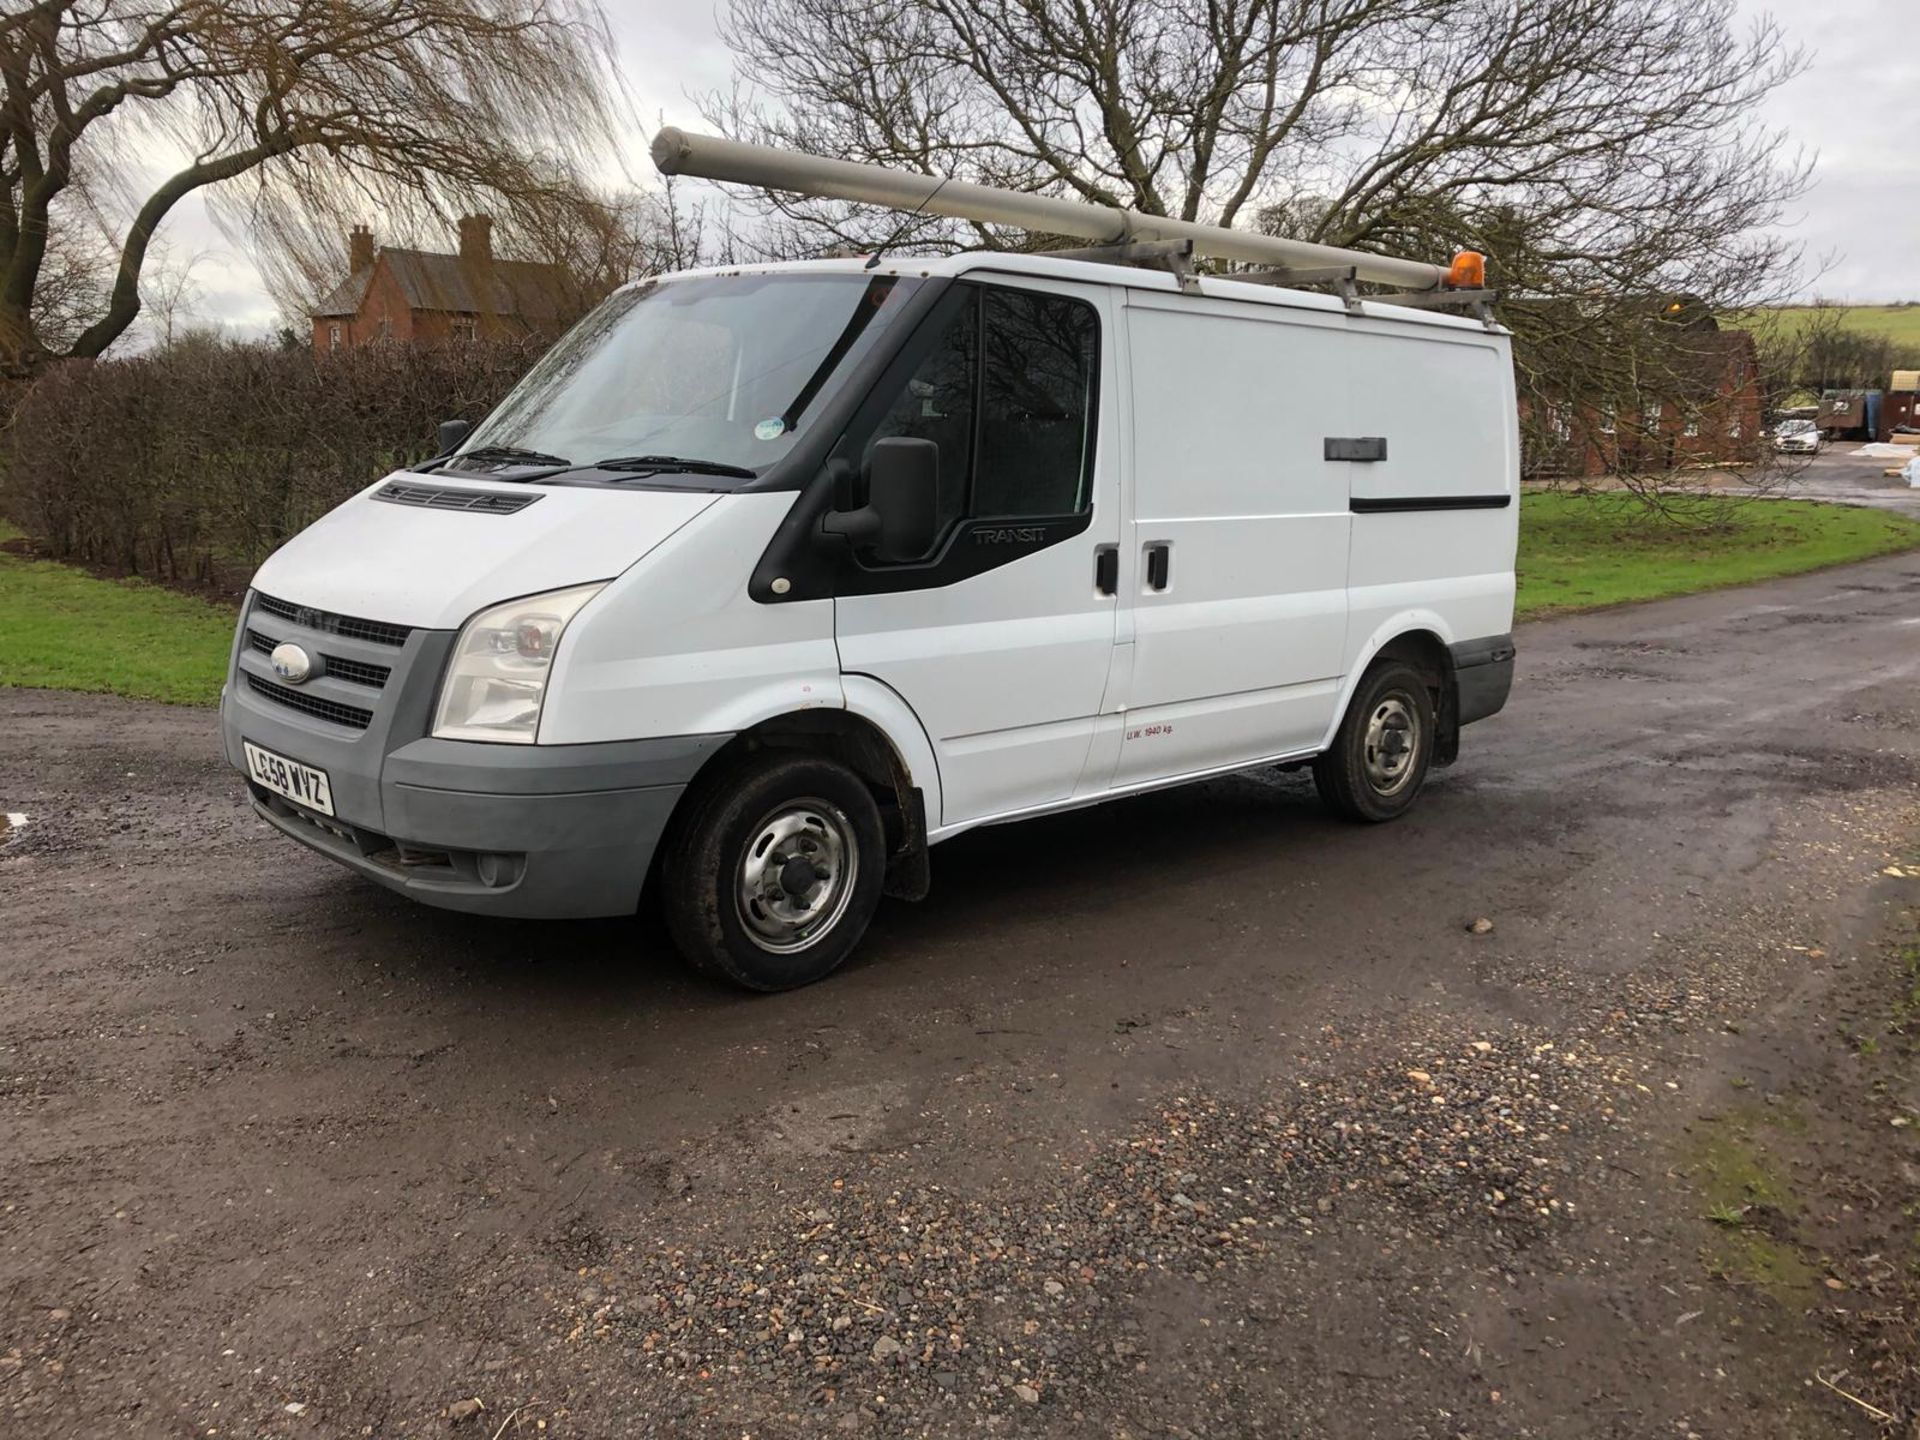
{"points": [[1007, 393]]}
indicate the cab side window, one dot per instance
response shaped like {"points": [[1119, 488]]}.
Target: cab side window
{"points": [[937, 404], [1036, 437], [1007, 393]]}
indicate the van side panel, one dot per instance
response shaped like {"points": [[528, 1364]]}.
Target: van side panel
{"points": [[1240, 655], [1436, 521], [676, 646]]}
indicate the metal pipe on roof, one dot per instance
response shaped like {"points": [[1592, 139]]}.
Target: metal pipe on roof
{"points": [[709, 157]]}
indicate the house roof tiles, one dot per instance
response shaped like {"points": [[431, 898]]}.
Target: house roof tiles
{"points": [[451, 284]]}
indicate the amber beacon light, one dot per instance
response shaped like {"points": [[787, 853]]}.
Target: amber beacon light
{"points": [[1468, 271]]}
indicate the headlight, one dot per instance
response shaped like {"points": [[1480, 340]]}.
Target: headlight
{"points": [[497, 678]]}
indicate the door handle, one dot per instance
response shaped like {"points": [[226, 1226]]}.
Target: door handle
{"points": [[1159, 562], [1106, 569]]}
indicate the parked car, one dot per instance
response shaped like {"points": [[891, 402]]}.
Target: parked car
{"points": [[1798, 437], [767, 579]]}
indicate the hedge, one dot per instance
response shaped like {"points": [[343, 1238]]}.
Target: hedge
{"points": [[191, 464]]}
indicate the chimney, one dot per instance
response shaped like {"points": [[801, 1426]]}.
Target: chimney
{"points": [[359, 249], [476, 239]]}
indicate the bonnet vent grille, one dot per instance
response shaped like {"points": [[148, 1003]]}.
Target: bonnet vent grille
{"points": [[441, 497]]}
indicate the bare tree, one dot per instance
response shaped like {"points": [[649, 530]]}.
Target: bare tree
{"points": [[170, 297], [1601, 152], [288, 112]]}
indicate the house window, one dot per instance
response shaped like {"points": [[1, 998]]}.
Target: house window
{"points": [[1609, 419], [1560, 418], [386, 328], [1733, 427], [462, 328], [1693, 424], [1650, 417], [333, 337]]}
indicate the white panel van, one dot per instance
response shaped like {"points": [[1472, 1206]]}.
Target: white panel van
{"points": [[767, 579]]}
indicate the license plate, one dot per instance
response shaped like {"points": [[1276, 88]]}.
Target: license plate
{"points": [[301, 784]]}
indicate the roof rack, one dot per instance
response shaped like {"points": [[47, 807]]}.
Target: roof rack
{"points": [[1128, 237]]}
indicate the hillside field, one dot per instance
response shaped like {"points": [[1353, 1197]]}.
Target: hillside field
{"points": [[1899, 323]]}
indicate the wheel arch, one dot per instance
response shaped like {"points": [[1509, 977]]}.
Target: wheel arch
{"points": [[1424, 640], [895, 762]]}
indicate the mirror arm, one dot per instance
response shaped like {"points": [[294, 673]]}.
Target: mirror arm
{"points": [[858, 527]]}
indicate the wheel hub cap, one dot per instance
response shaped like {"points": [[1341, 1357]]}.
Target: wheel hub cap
{"points": [[1393, 741], [796, 875]]}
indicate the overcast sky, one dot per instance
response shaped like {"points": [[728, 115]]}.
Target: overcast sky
{"points": [[1857, 107]]}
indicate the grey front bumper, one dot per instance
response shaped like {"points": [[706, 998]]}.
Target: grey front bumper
{"points": [[533, 831], [548, 851]]}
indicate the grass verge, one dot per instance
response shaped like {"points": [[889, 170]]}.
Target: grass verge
{"points": [[64, 629], [1579, 552]]}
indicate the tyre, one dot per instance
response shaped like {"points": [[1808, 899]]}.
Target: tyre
{"points": [[770, 877], [1380, 754]]}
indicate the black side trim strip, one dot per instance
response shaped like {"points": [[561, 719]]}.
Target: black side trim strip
{"points": [[1393, 504]]}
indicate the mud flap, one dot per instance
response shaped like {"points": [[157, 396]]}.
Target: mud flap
{"points": [[910, 868]]}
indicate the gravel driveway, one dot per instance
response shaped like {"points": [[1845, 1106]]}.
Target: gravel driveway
{"points": [[1197, 1114]]}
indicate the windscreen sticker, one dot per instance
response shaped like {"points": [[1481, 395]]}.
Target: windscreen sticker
{"points": [[771, 428]]}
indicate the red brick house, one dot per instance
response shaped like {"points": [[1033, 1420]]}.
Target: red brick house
{"points": [[418, 297], [1709, 411]]}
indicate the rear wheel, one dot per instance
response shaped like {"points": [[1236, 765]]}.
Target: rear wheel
{"points": [[772, 875], [1380, 754]]}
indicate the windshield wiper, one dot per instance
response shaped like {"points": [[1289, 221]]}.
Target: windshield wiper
{"points": [[509, 454], [654, 464]]}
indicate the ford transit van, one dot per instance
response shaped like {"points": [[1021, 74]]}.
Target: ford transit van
{"points": [[765, 580]]}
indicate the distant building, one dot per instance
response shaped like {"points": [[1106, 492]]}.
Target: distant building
{"points": [[1900, 407], [1850, 414], [1708, 411], [418, 297]]}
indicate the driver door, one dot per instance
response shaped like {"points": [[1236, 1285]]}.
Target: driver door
{"points": [[1001, 637]]}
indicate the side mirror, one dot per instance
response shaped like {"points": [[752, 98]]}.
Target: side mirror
{"points": [[901, 518], [452, 433]]}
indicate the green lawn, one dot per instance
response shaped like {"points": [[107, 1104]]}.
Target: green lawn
{"points": [[63, 629], [1582, 551]]}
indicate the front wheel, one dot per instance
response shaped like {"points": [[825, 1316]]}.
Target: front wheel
{"points": [[1380, 754], [771, 877]]}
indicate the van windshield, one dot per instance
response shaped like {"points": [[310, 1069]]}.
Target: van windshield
{"points": [[720, 371]]}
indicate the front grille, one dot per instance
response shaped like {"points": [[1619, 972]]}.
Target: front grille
{"points": [[441, 497], [374, 632], [359, 672], [350, 716]]}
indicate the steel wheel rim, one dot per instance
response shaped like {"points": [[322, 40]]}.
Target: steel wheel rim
{"points": [[1392, 744], [796, 874]]}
